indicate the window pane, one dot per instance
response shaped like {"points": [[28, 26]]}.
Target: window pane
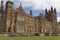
{"points": [[20, 27], [20, 18]]}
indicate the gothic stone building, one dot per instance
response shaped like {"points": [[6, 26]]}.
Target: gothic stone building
{"points": [[17, 21]]}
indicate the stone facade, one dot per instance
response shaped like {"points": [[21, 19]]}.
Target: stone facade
{"points": [[17, 21]]}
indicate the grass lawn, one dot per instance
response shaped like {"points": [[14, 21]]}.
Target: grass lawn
{"points": [[31, 38]]}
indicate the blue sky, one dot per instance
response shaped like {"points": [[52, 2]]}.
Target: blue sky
{"points": [[37, 5]]}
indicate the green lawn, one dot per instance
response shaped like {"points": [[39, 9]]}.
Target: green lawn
{"points": [[31, 38]]}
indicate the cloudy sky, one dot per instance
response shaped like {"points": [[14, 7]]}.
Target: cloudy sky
{"points": [[37, 5]]}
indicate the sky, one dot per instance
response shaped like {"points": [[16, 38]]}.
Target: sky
{"points": [[38, 6]]}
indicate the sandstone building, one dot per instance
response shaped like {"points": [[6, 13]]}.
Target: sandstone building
{"points": [[17, 21]]}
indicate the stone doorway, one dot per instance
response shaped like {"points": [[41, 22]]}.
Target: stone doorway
{"points": [[46, 34], [37, 34]]}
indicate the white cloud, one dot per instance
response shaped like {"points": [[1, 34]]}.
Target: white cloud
{"points": [[42, 4], [58, 19], [38, 4]]}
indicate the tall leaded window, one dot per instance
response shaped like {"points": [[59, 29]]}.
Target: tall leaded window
{"points": [[20, 18], [20, 27]]}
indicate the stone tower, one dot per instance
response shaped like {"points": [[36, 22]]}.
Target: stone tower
{"points": [[52, 16], [54, 19], [9, 9]]}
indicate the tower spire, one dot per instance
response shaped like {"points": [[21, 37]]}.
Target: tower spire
{"points": [[20, 3]]}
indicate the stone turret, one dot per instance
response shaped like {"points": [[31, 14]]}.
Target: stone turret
{"points": [[55, 10], [51, 8], [45, 10], [46, 13], [54, 19], [30, 12]]}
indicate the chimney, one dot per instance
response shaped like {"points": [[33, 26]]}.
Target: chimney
{"points": [[30, 12]]}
